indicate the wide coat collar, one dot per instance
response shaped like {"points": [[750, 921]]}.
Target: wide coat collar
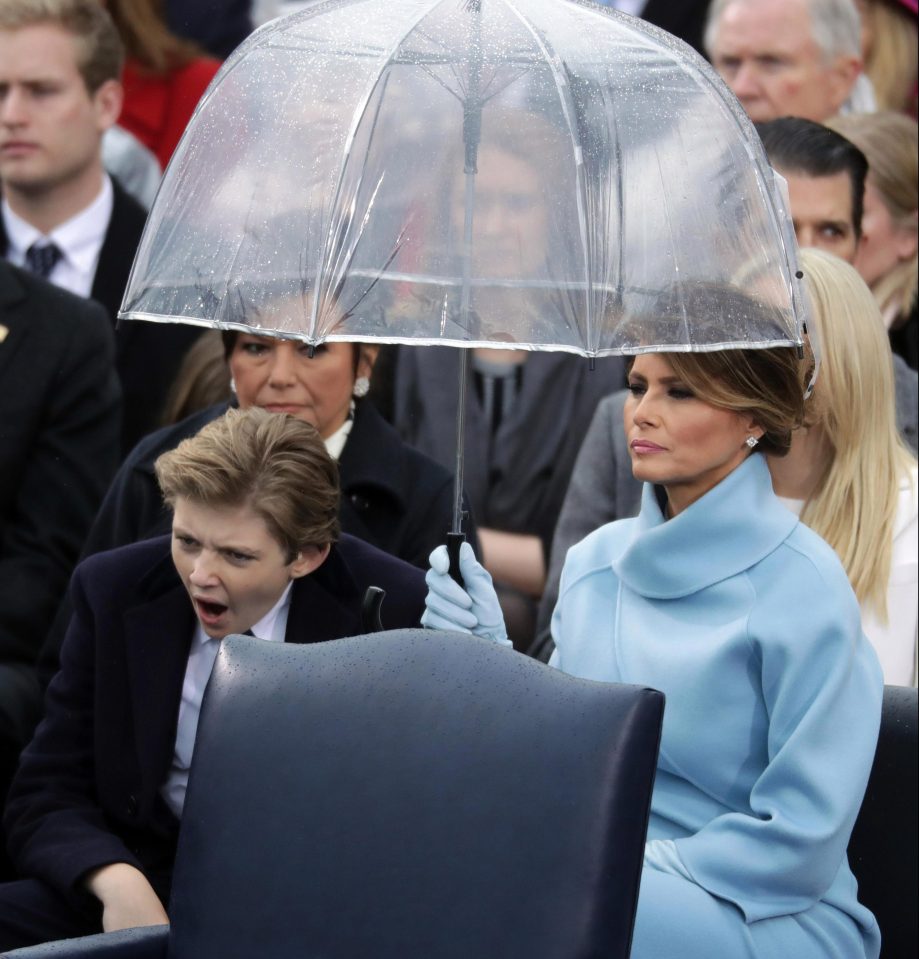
{"points": [[731, 528], [373, 459]]}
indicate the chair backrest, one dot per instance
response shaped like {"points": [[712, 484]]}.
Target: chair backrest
{"points": [[411, 793], [884, 848]]}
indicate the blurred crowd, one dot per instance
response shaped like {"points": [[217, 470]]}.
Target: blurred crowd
{"points": [[91, 112]]}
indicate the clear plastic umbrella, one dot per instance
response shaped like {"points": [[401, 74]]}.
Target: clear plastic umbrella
{"points": [[541, 174]]}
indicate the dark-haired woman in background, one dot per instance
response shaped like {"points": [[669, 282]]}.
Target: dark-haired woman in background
{"points": [[392, 495]]}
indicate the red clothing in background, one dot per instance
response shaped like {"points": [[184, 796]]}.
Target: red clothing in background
{"points": [[157, 107]]}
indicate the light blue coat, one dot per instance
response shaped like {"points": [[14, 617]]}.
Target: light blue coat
{"points": [[745, 619]]}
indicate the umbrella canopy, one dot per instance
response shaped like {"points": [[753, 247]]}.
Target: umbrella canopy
{"points": [[542, 174]]}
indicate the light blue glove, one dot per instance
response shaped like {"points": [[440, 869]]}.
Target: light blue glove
{"points": [[474, 609]]}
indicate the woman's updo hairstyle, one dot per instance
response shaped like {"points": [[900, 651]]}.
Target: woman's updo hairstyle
{"points": [[767, 383]]}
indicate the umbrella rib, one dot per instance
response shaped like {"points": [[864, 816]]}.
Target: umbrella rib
{"points": [[347, 257], [339, 254], [238, 251], [563, 87], [446, 60], [425, 69], [355, 124], [376, 279], [493, 81], [753, 145], [673, 247]]}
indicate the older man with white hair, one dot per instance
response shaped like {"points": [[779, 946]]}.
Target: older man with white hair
{"points": [[789, 57]]}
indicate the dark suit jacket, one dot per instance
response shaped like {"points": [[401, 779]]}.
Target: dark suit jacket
{"points": [[59, 424], [87, 790], [684, 19], [147, 355]]}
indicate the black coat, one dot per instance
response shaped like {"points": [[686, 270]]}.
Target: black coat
{"points": [[59, 426], [685, 19], [392, 497], [87, 790], [147, 355], [219, 26]]}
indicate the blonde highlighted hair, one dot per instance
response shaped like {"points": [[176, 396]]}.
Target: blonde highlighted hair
{"points": [[890, 60], [854, 505], [890, 141], [274, 463], [766, 383]]}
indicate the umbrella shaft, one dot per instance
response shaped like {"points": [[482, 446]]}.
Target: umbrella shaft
{"points": [[457, 526]]}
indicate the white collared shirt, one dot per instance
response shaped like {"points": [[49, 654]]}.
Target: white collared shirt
{"points": [[335, 443], [271, 627], [80, 241]]}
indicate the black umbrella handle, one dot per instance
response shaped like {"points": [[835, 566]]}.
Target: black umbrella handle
{"points": [[454, 541], [370, 610]]}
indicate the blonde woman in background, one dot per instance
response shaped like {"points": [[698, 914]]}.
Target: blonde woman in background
{"points": [[889, 51], [887, 253], [848, 474]]}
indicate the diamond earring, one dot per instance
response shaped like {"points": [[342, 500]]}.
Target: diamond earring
{"points": [[361, 387], [751, 441]]}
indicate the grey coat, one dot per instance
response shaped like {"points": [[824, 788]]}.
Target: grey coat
{"points": [[602, 487], [906, 384], [516, 479]]}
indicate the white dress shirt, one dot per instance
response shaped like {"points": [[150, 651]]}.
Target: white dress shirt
{"points": [[271, 627], [79, 239], [335, 443]]}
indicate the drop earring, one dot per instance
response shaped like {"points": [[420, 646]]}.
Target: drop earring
{"points": [[361, 387], [751, 441]]}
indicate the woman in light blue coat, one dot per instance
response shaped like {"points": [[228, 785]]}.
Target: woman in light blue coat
{"points": [[720, 597]]}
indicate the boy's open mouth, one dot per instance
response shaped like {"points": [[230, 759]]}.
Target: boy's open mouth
{"points": [[208, 610]]}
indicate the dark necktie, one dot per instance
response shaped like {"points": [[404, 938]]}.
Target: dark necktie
{"points": [[41, 260]]}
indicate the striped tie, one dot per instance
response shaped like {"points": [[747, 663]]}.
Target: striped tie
{"points": [[41, 260]]}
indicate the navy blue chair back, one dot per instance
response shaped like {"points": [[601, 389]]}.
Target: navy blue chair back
{"points": [[412, 793], [884, 848]]}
